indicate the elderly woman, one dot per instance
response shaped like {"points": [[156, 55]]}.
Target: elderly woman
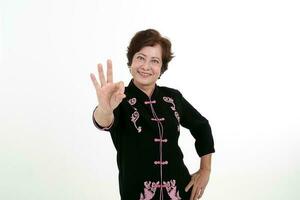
{"points": [[144, 123]]}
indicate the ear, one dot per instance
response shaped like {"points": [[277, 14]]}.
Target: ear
{"points": [[129, 67]]}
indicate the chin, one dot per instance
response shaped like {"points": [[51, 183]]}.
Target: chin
{"points": [[144, 81]]}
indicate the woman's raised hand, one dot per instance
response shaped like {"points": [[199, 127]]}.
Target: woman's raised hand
{"points": [[109, 94]]}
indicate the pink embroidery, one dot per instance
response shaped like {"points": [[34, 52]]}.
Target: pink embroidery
{"points": [[171, 101], [177, 116], [172, 190], [149, 190], [151, 187], [132, 101], [150, 102], [134, 117]]}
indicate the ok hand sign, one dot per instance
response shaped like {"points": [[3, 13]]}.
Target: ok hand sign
{"points": [[109, 94]]}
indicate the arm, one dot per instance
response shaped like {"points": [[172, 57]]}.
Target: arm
{"points": [[102, 118], [199, 127], [205, 162], [204, 144]]}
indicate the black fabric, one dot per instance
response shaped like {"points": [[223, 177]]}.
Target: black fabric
{"points": [[145, 134]]}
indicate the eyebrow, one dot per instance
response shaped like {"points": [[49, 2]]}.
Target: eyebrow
{"points": [[146, 55]]}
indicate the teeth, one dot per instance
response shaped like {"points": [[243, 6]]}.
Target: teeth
{"points": [[144, 74]]}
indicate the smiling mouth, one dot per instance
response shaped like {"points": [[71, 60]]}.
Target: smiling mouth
{"points": [[143, 74]]}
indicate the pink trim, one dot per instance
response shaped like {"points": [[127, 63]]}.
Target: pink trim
{"points": [[160, 140], [161, 135], [98, 125], [150, 102], [103, 128], [107, 128]]}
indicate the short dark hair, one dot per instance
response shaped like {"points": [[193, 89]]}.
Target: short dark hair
{"points": [[150, 37]]}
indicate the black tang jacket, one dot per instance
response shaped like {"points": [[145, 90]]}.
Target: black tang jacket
{"points": [[145, 134]]}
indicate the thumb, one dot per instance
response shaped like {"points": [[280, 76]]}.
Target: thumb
{"points": [[119, 98], [120, 86]]}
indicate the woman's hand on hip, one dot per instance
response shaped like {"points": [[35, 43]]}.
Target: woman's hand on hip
{"points": [[198, 183]]}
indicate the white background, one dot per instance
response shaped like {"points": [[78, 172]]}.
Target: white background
{"points": [[236, 61]]}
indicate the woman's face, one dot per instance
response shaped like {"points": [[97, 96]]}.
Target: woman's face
{"points": [[146, 66]]}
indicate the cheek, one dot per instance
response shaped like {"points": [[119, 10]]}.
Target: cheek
{"points": [[133, 69], [157, 70]]}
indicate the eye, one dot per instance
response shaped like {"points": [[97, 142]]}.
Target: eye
{"points": [[140, 58], [155, 61]]}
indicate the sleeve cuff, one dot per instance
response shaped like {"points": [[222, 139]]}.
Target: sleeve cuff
{"points": [[99, 126], [201, 153]]}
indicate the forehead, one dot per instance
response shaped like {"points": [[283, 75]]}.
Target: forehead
{"points": [[150, 51]]}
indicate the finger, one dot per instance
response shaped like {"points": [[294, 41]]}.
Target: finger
{"points": [[101, 75], [121, 87], [117, 99], [109, 72], [193, 193], [120, 97], [95, 82], [201, 193], [187, 188], [198, 193]]}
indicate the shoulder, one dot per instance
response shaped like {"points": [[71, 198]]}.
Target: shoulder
{"points": [[170, 91]]}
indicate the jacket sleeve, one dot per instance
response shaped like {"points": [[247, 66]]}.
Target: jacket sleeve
{"points": [[113, 128], [199, 127]]}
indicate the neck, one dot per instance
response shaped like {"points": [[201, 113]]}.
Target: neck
{"points": [[147, 89]]}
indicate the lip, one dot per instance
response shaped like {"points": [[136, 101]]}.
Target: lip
{"points": [[144, 74]]}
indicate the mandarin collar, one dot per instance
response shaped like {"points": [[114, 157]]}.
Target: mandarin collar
{"points": [[136, 92]]}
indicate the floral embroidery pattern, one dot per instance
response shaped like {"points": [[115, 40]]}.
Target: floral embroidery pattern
{"points": [[177, 116], [149, 190], [171, 101], [132, 101], [151, 187], [172, 190], [135, 115]]}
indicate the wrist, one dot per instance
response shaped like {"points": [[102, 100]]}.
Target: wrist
{"points": [[205, 169], [100, 111]]}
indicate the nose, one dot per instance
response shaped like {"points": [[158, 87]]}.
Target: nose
{"points": [[146, 66]]}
